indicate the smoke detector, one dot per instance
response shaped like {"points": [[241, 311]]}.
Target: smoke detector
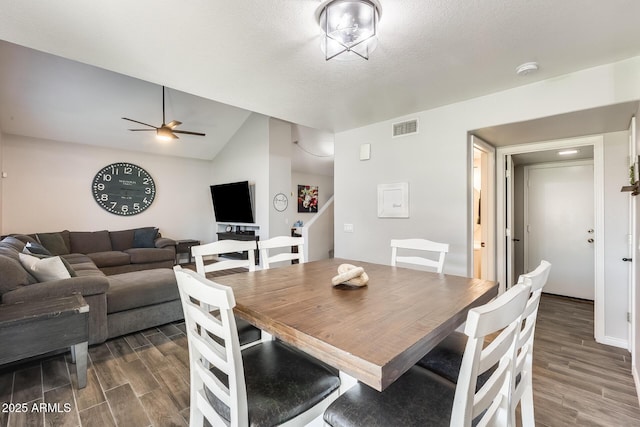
{"points": [[527, 68]]}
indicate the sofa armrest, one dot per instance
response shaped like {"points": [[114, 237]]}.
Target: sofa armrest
{"points": [[163, 242], [86, 286]]}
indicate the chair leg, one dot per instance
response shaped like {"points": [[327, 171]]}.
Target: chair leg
{"points": [[526, 405], [196, 417]]}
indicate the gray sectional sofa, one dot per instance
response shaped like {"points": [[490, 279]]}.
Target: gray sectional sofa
{"points": [[125, 276]]}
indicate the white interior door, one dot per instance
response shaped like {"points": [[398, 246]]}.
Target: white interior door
{"points": [[509, 232], [559, 214]]}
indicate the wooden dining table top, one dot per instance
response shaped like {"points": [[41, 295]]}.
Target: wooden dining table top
{"points": [[373, 333]]}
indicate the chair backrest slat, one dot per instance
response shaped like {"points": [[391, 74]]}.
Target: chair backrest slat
{"points": [[224, 247], [503, 315], [213, 342], [419, 245], [281, 242], [536, 279]]}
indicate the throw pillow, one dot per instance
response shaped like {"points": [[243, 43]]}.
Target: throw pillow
{"points": [[53, 242], [44, 269], [145, 237], [36, 249], [70, 269]]}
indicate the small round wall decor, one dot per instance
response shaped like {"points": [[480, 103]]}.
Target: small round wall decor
{"points": [[123, 189], [280, 202]]}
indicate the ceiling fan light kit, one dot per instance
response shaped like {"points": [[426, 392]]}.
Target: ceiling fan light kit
{"points": [[349, 28], [166, 131]]}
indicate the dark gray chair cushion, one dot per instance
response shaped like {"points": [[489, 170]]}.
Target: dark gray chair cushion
{"points": [[418, 398], [281, 383], [446, 358]]}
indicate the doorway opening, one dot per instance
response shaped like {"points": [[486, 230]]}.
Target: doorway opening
{"points": [[482, 215], [510, 242]]}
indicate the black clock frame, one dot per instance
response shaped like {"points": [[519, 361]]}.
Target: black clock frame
{"points": [[123, 189]]}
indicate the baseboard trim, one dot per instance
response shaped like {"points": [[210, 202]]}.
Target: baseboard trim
{"points": [[636, 379], [615, 342]]}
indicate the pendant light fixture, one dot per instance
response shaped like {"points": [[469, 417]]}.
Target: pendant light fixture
{"points": [[349, 28]]}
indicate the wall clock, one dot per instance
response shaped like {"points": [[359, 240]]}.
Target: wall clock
{"points": [[280, 202], [123, 189]]}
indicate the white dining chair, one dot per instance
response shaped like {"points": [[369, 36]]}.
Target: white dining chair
{"points": [[279, 242], [267, 384], [249, 334], [440, 250], [422, 398], [446, 358], [523, 389]]}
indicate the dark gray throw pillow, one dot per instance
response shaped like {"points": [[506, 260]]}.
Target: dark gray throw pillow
{"points": [[145, 237], [36, 249]]}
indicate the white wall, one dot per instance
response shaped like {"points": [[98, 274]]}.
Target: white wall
{"points": [[279, 174], [245, 158], [48, 188], [434, 162], [616, 235], [635, 303], [325, 191]]}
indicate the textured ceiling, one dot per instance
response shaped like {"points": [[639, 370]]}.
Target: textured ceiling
{"points": [[264, 56]]}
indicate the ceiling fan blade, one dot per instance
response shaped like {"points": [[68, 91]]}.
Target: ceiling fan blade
{"points": [[142, 130], [188, 133], [142, 123], [173, 123]]}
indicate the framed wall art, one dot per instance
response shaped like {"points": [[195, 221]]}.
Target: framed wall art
{"points": [[393, 200], [308, 198]]}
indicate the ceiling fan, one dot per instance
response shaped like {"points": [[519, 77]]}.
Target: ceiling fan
{"points": [[166, 131]]}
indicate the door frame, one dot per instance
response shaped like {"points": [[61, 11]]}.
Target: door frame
{"points": [[504, 257], [490, 262]]}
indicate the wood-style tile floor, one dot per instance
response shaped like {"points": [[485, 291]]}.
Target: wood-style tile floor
{"points": [[142, 379]]}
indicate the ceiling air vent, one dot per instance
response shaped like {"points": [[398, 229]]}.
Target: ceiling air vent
{"points": [[405, 128]]}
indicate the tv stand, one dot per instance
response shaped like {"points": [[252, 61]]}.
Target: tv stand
{"points": [[243, 235]]}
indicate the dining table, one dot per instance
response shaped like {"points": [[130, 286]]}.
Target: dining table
{"points": [[373, 333]]}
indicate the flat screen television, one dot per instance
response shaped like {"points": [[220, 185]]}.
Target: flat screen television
{"points": [[233, 202]]}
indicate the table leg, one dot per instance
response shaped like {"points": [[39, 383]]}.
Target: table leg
{"points": [[346, 382], [79, 352]]}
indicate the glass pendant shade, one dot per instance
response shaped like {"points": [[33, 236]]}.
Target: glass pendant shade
{"points": [[349, 28]]}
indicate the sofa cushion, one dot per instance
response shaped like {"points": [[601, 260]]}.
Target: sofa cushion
{"points": [[88, 242], [82, 265], [121, 240], [145, 255], [141, 288], [109, 258], [11, 242], [13, 275], [44, 269], [54, 242], [145, 237], [25, 238]]}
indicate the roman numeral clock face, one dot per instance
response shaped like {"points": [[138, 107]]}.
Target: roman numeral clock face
{"points": [[123, 189]]}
